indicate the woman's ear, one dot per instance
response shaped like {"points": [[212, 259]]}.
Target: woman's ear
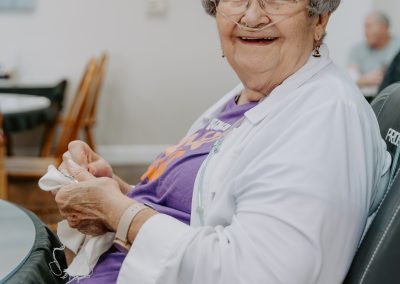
{"points": [[322, 21]]}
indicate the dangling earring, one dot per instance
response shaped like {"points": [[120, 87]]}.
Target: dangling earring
{"points": [[316, 52], [223, 54], [317, 45]]}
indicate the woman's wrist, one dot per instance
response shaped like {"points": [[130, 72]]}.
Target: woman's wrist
{"points": [[138, 222], [117, 210], [135, 224]]}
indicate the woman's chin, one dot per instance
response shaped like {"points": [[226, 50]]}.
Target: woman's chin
{"points": [[254, 65], [257, 79], [258, 86]]}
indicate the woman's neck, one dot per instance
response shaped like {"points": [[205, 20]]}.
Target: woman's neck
{"points": [[248, 96]]}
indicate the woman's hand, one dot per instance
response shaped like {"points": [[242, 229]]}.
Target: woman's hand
{"points": [[83, 155], [373, 78], [93, 205]]}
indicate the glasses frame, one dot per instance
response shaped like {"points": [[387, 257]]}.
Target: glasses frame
{"points": [[282, 17]]}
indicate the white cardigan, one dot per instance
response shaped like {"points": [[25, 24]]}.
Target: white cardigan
{"points": [[286, 197]]}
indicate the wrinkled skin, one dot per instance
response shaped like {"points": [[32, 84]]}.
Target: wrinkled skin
{"points": [[83, 155], [91, 205]]}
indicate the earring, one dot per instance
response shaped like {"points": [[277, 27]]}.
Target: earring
{"points": [[317, 45], [316, 52], [223, 54]]}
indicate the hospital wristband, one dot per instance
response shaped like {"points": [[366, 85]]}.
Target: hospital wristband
{"points": [[121, 236]]}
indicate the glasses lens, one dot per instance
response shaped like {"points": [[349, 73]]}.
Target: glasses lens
{"points": [[233, 7], [273, 7]]}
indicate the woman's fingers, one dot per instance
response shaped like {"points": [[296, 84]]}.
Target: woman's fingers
{"points": [[100, 168], [80, 152], [66, 156], [83, 155], [72, 222], [89, 226], [92, 227], [93, 204], [77, 172]]}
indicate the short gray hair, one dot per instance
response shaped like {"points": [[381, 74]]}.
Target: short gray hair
{"points": [[382, 18], [316, 7]]}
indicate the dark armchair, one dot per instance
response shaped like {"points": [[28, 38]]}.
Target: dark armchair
{"points": [[378, 257], [392, 74]]}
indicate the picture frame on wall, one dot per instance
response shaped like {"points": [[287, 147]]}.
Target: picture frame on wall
{"points": [[17, 5]]}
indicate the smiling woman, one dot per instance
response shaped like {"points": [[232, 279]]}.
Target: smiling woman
{"points": [[264, 49], [272, 184]]}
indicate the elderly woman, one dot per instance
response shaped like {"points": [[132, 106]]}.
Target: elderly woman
{"points": [[276, 179]]}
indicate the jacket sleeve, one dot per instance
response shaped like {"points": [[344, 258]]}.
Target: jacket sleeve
{"points": [[298, 203]]}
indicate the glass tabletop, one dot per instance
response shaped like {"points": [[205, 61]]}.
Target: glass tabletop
{"points": [[16, 239]]}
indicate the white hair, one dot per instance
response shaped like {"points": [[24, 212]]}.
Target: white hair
{"points": [[319, 7]]}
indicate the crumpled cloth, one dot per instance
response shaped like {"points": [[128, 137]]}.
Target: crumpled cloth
{"points": [[88, 249]]}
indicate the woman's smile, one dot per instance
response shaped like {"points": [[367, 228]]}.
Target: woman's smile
{"points": [[257, 41], [264, 50]]}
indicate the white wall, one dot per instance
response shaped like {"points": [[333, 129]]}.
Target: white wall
{"points": [[159, 68], [346, 27], [163, 72]]}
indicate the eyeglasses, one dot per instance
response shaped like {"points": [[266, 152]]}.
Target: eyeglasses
{"points": [[231, 9], [271, 7]]}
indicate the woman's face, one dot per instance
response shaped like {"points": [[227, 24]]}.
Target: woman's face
{"points": [[264, 59]]}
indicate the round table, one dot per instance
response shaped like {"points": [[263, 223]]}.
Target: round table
{"points": [[27, 248], [22, 112], [18, 103]]}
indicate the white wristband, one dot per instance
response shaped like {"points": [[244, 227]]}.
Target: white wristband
{"points": [[121, 236]]}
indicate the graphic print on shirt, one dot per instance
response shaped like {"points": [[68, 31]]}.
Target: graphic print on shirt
{"points": [[188, 144]]}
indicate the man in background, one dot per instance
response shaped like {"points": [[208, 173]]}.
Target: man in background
{"points": [[368, 60]]}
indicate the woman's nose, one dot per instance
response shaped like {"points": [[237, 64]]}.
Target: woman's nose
{"points": [[254, 16]]}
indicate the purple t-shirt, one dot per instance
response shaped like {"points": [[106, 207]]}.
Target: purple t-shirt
{"points": [[168, 183]]}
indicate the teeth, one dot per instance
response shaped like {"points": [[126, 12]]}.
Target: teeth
{"points": [[254, 38]]}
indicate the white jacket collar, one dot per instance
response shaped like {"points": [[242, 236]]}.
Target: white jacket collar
{"points": [[312, 67], [258, 113]]}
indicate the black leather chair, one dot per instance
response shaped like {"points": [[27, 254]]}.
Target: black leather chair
{"points": [[43, 264], [378, 258], [392, 74]]}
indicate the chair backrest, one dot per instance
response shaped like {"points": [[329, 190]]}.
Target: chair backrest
{"points": [[89, 113], [378, 257], [74, 118], [94, 91]]}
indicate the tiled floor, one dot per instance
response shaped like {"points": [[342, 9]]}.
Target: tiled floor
{"points": [[27, 194]]}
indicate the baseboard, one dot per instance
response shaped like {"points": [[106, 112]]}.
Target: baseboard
{"points": [[130, 154]]}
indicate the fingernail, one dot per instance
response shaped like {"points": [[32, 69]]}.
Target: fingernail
{"points": [[91, 170]]}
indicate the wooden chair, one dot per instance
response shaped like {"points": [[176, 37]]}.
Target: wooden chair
{"points": [[90, 112], [35, 167]]}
